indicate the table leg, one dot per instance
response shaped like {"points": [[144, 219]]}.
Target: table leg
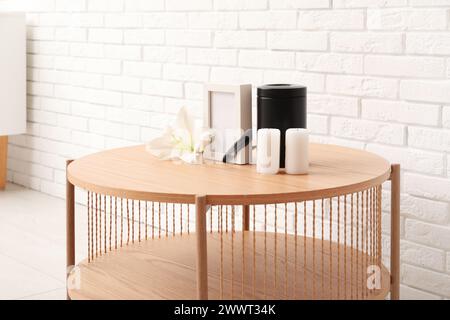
{"points": [[3, 160], [70, 225], [395, 232], [245, 217], [202, 254]]}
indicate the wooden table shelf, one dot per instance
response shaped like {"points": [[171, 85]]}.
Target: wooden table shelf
{"points": [[166, 230]]}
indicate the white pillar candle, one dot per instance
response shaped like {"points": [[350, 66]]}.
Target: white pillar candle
{"points": [[297, 157], [268, 151]]}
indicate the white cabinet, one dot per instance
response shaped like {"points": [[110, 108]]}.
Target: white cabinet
{"points": [[12, 73]]}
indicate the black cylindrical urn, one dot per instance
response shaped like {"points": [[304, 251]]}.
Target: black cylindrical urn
{"points": [[282, 106]]}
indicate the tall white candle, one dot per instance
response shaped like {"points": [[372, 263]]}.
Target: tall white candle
{"points": [[297, 157], [268, 151]]}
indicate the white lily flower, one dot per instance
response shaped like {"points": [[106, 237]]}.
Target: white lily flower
{"points": [[182, 140]]}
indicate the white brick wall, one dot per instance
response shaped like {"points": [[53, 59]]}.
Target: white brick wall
{"points": [[107, 73]]}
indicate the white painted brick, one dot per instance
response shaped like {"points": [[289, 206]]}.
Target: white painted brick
{"points": [[419, 67], [85, 79], [411, 159], [299, 4], [424, 209], [144, 5], [122, 52], [422, 256], [88, 139], [165, 20], [314, 81], [162, 88], [433, 91], [142, 69], [88, 110], [138, 117], [70, 5], [165, 54], [428, 187], [210, 20], [188, 38], [48, 48], [427, 138], [105, 66], [368, 130], [34, 6], [267, 59], [220, 57], [240, 39], [72, 122], [55, 133], [192, 5], [106, 35], [185, 72], [406, 19], [90, 50], [88, 95], [240, 4], [429, 3], [132, 132], [53, 188], [400, 111], [105, 5], [71, 34], [121, 20], [329, 62], [236, 75], [53, 19], [366, 42], [428, 234], [448, 166], [41, 116], [362, 86], [143, 102], [55, 105], [428, 43], [106, 128], [86, 20], [40, 88], [194, 91], [368, 3], [268, 20], [70, 63], [409, 293], [40, 61], [122, 83], [26, 180], [446, 117], [317, 124], [333, 105], [331, 20], [143, 36], [40, 33], [448, 262], [148, 134], [298, 40]]}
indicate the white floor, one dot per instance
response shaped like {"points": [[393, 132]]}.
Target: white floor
{"points": [[32, 244]]}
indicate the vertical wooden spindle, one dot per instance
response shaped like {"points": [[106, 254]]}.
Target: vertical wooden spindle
{"points": [[202, 255], [331, 248], [89, 225]]}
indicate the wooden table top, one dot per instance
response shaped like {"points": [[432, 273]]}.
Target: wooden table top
{"points": [[133, 173]]}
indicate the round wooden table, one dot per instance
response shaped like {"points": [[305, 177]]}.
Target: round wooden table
{"points": [[169, 230]]}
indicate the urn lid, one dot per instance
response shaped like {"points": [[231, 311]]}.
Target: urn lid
{"points": [[281, 90]]}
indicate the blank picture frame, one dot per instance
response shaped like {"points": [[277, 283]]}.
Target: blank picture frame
{"points": [[228, 111]]}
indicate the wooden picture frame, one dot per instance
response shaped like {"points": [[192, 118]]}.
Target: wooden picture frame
{"points": [[228, 110]]}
